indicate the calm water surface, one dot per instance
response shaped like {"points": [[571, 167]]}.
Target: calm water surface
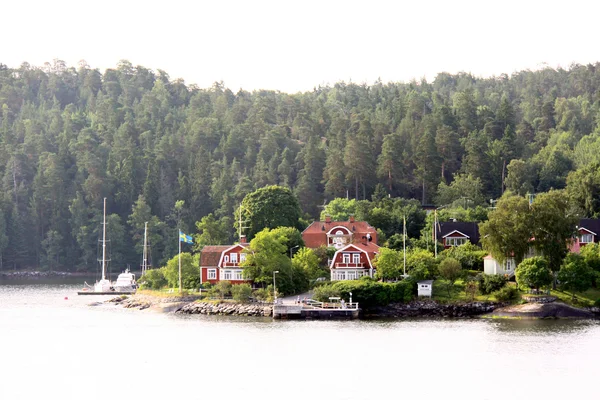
{"points": [[57, 348]]}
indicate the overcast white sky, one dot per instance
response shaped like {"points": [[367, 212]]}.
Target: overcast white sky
{"points": [[297, 45]]}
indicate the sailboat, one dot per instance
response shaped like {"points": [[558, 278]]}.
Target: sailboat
{"points": [[125, 282]]}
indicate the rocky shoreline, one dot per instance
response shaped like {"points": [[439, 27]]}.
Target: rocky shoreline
{"points": [[191, 305], [431, 309], [417, 309]]}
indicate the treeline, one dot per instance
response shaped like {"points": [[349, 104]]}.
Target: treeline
{"points": [[169, 153]]}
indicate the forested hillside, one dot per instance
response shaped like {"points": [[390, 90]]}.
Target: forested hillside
{"points": [[170, 153]]}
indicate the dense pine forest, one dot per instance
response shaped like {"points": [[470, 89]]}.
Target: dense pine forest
{"points": [[171, 153]]}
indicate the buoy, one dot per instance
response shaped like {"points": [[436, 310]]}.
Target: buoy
{"points": [[66, 298]]}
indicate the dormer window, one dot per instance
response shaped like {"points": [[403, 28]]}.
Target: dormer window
{"points": [[586, 238], [455, 241], [234, 258], [242, 257]]}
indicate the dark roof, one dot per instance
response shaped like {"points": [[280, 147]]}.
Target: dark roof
{"points": [[471, 229], [210, 255], [590, 224], [428, 282]]}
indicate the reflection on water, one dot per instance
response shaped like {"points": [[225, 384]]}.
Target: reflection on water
{"points": [[54, 338]]}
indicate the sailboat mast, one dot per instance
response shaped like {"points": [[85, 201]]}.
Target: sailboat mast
{"points": [[145, 255], [104, 242]]}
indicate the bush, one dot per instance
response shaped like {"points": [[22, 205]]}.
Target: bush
{"points": [[597, 303], [153, 279], [491, 283], [324, 292], [241, 292], [221, 289], [262, 294], [507, 293]]}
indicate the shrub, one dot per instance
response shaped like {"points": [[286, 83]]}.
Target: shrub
{"points": [[324, 292], [221, 289], [597, 303], [262, 294], [507, 293], [153, 279], [491, 283], [241, 292]]}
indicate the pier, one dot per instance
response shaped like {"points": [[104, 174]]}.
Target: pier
{"points": [[312, 309]]}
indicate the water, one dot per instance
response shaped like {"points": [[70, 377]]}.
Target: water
{"points": [[66, 349]]}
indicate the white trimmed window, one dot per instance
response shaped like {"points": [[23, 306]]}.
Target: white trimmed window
{"points": [[355, 258], [234, 258], [226, 259], [341, 275], [509, 264], [212, 274], [237, 276], [351, 275], [227, 275], [346, 258], [455, 241], [586, 238], [242, 257]]}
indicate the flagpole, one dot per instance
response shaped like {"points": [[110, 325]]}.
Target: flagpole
{"points": [[179, 240], [404, 243], [435, 230]]}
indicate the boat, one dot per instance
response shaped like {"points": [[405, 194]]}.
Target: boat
{"points": [[125, 282]]}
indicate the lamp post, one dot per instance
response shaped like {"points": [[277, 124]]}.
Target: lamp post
{"points": [[292, 248], [274, 287]]}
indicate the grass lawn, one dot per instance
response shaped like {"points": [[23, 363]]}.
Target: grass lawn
{"points": [[168, 293], [457, 293], [586, 298]]}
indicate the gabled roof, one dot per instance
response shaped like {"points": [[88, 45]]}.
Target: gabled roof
{"points": [[591, 225], [210, 255], [371, 249], [354, 227], [468, 229], [242, 245], [455, 231]]}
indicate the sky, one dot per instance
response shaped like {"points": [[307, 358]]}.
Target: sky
{"points": [[292, 46]]}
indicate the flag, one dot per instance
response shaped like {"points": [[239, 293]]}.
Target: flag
{"points": [[185, 238]]}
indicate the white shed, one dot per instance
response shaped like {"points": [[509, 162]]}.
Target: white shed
{"points": [[425, 288]]}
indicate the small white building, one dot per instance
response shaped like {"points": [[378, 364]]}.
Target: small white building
{"points": [[425, 288], [492, 267]]}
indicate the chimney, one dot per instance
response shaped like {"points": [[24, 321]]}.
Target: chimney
{"points": [[327, 219], [352, 218], [243, 239]]}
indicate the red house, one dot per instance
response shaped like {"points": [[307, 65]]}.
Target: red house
{"points": [[222, 263], [587, 232], [338, 234], [453, 234], [354, 261]]}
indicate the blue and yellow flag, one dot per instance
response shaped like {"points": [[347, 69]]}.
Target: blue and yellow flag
{"points": [[185, 238]]}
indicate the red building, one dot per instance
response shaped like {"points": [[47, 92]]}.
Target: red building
{"points": [[355, 242], [453, 234], [222, 263], [354, 261], [338, 234]]}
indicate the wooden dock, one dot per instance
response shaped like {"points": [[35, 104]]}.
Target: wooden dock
{"points": [[316, 310]]}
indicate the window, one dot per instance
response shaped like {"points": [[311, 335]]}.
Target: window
{"points": [[227, 275], [234, 258], [341, 275], [226, 259], [242, 257], [351, 275], [237, 276], [346, 257], [212, 274], [455, 241], [509, 264], [356, 258], [586, 238]]}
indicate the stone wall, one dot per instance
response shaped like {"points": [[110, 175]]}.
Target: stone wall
{"points": [[224, 308], [431, 309]]}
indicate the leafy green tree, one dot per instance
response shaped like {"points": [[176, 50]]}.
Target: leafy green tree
{"points": [[583, 188], [464, 189], [389, 264], [591, 255], [212, 231], [450, 270], [153, 279], [339, 209], [421, 264], [270, 207], [508, 230], [469, 255], [309, 261], [575, 274], [553, 226], [534, 272], [518, 178], [190, 276]]}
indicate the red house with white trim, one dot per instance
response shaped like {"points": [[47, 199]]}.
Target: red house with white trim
{"points": [[354, 261], [222, 263], [338, 234]]}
